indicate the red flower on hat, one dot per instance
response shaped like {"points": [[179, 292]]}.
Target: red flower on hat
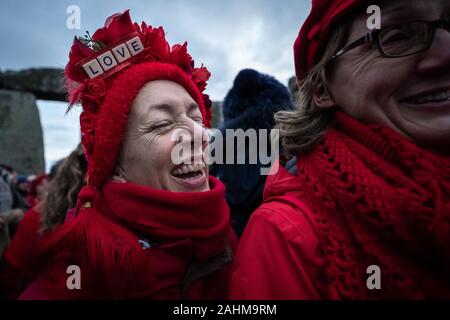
{"points": [[95, 89], [116, 27], [156, 48], [154, 40], [181, 58], [87, 126], [200, 76], [78, 52]]}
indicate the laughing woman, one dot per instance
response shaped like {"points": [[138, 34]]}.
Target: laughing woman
{"points": [[366, 213], [146, 226]]}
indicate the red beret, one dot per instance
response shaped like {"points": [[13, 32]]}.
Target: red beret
{"points": [[313, 35]]}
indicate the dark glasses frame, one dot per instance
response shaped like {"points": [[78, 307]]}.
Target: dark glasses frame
{"points": [[374, 36]]}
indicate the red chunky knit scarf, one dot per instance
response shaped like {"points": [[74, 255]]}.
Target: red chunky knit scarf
{"points": [[378, 199]]}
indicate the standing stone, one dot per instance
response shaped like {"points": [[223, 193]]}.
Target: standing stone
{"points": [[21, 139]]}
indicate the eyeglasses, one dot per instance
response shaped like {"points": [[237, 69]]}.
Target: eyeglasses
{"points": [[401, 40]]}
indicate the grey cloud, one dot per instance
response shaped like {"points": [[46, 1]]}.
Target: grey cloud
{"points": [[225, 35]]}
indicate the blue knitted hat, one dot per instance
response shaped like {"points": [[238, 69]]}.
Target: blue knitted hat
{"points": [[254, 90]]}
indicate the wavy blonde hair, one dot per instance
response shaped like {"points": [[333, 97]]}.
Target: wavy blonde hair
{"points": [[304, 127], [63, 189]]}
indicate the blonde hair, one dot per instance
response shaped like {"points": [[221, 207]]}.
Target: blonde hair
{"points": [[63, 189], [304, 127]]}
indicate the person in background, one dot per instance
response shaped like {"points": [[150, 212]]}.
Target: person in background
{"points": [[20, 185], [63, 191], [366, 215], [250, 104], [9, 220], [38, 190], [66, 178], [5, 196]]}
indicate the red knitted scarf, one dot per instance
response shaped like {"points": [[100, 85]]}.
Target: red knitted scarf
{"points": [[165, 217], [104, 239], [378, 199]]}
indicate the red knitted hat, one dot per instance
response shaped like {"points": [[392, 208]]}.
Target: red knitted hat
{"points": [[106, 72], [313, 35]]}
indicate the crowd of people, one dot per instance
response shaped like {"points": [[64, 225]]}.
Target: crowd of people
{"points": [[18, 193], [47, 201], [363, 179]]}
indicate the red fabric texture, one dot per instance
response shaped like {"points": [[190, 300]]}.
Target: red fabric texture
{"points": [[313, 35], [107, 100], [21, 247], [16, 276], [374, 198], [278, 256], [153, 213], [183, 229]]}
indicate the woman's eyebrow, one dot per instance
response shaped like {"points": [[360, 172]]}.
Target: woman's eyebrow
{"points": [[193, 107], [162, 107], [402, 11]]}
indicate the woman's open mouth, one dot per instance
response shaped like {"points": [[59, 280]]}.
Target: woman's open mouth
{"points": [[190, 175], [433, 100]]}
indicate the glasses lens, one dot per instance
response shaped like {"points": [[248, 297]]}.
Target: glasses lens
{"points": [[406, 39]]}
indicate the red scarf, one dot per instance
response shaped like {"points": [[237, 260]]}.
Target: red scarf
{"points": [[378, 199], [103, 239], [166, 217]]}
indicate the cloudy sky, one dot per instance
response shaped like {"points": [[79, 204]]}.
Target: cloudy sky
{"points": [[226, 36]]}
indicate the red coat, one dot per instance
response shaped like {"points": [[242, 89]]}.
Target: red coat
{"points": [[286, 262], [15, 275]]}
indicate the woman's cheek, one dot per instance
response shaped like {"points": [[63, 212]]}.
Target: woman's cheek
{"points": [[164, 146]]}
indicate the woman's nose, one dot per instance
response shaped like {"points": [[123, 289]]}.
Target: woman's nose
{"points": [[436, 59], [193, 139]]}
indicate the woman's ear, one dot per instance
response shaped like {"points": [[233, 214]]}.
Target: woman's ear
{"points": [[322, 98], [119, 174]]}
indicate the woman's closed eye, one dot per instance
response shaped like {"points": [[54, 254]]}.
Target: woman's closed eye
{"points": [[160, 125], [199, 120]]}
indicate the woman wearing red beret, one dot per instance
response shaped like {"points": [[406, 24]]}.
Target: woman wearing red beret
{"points": [[366, 212], [146, 226]]}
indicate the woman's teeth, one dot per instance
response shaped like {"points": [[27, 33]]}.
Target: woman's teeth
{"points": [[437, 97], [187, 169], [191, 176]]}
